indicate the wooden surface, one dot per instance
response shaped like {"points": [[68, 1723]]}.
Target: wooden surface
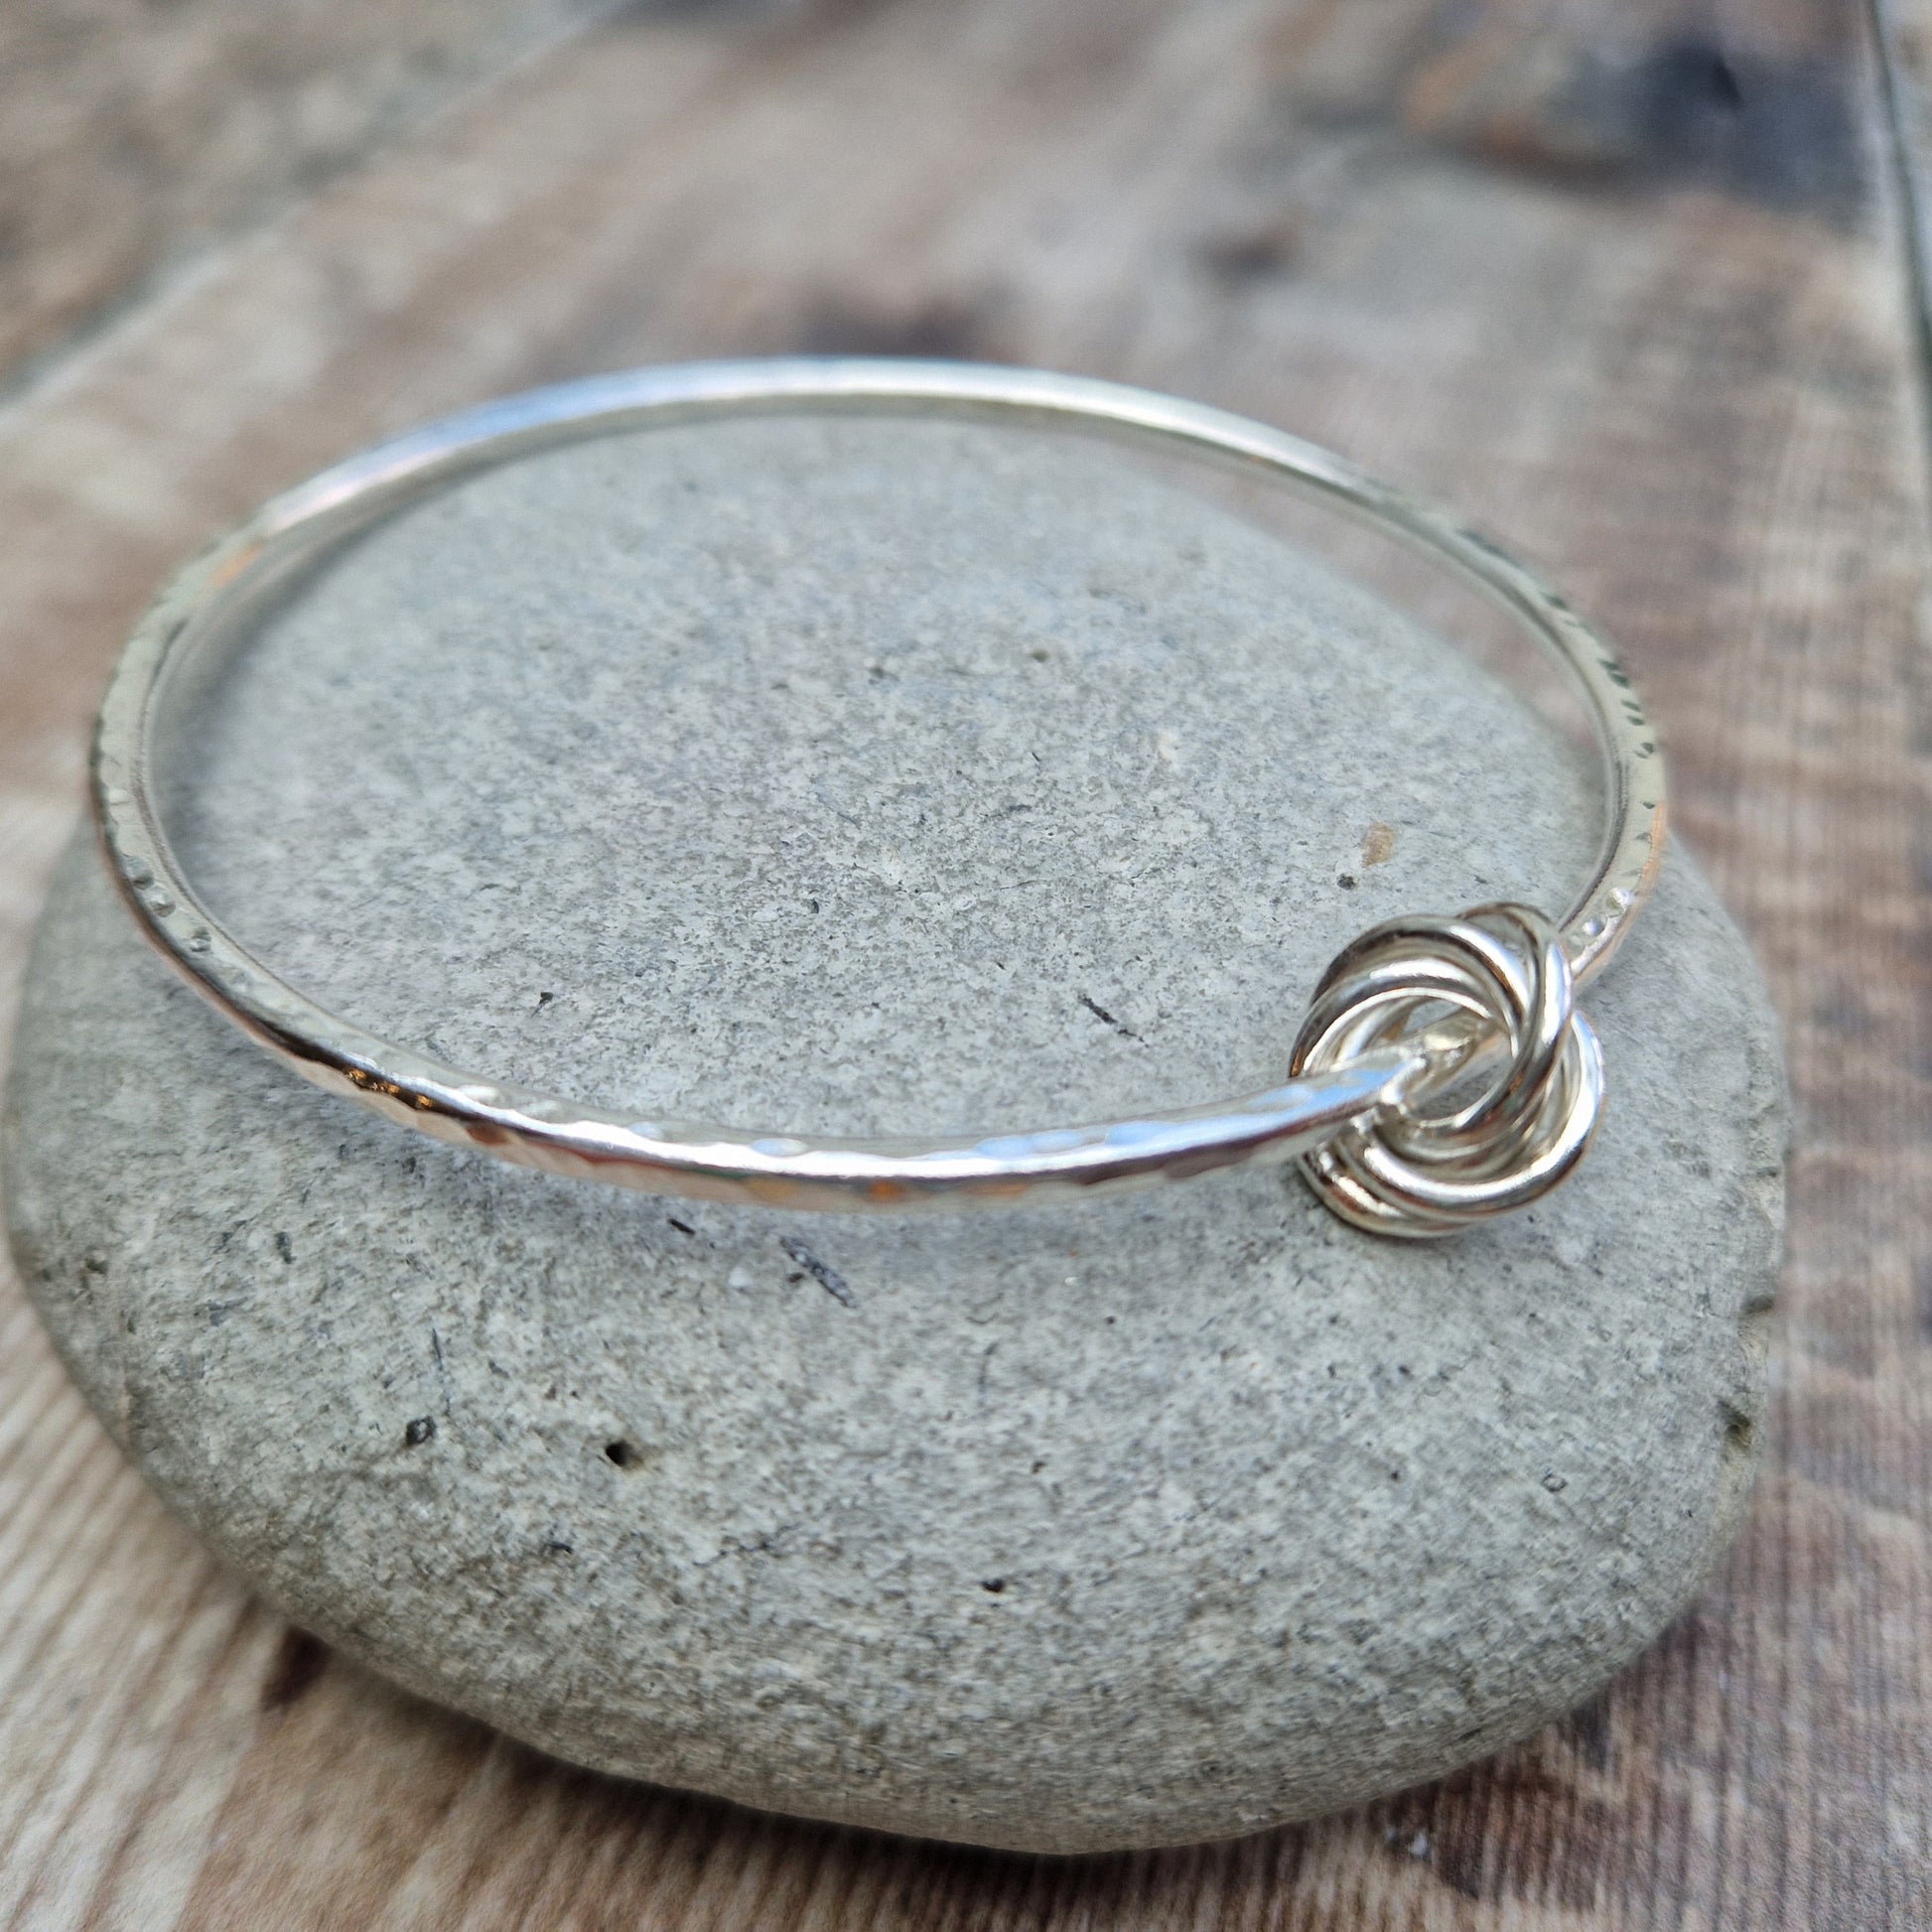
{"points": [[132, 132], [1627, 281]]}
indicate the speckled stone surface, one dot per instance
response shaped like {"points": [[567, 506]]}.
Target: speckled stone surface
{"points": [[870, 777]]}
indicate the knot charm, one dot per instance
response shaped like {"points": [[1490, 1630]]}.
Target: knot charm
{"points": [[1511, 1088]]}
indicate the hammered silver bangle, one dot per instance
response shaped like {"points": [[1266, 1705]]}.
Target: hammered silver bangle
{"points": [[1442, 1074]]}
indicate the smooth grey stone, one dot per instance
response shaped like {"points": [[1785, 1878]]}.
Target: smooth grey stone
{"points": [[869, 776]]}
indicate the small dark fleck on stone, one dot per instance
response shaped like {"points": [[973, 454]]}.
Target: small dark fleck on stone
{"points": [[543, 1000], [683, 1227], [623, 1455], [417, 1432], [1555, 1483], [1100, 1013], [993, 1585], [284, 1246], [1347, 880], [827, 1277], [556, 1546]]}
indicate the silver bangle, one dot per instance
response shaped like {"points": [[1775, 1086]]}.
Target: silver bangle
{"points": [[1409, 1019]]}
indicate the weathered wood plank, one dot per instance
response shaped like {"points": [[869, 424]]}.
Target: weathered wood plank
{"points": [[131, 134], [1623, 282], [1903, 41]]}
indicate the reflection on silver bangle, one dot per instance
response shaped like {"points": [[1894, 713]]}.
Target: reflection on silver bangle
{"points": [[1442, 1074]]}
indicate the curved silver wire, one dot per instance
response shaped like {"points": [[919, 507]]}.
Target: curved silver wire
{"points": [[207, 606]]}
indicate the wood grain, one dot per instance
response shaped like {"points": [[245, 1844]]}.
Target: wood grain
{"points": [[132, 133], [1630, 282]]}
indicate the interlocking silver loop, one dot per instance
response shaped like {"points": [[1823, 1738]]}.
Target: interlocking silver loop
{"points": [[1458, 1144]]}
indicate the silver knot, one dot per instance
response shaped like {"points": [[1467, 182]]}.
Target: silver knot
{"points": [[1491, 989]]}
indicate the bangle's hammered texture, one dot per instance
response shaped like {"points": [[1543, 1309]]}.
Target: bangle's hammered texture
{"points": [[1408, 1018]]}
